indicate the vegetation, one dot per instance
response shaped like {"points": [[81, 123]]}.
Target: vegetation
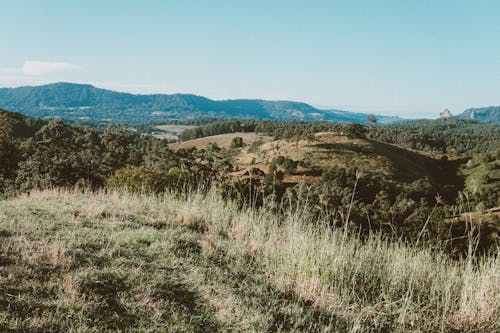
{"points": [[326, 228], [489, 114], [83, 103], [74, 261], [237, 142], [445, 136]]}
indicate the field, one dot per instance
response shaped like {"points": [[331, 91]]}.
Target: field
{"points": [[94, 262], [171, 132], [222, 140]]}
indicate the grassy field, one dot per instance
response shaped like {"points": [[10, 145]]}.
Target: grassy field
{"points": [[79, 262], [222, 140], [171, 132]]}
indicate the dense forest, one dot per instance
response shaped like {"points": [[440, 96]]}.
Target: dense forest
{"points": [[37, 154]]}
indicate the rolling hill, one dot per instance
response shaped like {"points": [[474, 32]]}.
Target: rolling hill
{"points": [[326, 150], [86, 103]]}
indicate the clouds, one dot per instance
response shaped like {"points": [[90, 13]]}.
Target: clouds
{"points": [[41, 68], [38, 72]]}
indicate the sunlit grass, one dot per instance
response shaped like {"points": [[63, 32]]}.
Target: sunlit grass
{"points": [[73, 261]]}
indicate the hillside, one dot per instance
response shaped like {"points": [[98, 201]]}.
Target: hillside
{"points": [[73, 261], [326, 150], [17, 125], [489, 114], [86, 103]]}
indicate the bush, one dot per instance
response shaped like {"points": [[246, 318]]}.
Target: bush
{"points": [[136, 179], [237, 142]]}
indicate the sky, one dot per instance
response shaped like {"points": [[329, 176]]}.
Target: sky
{"points": [[410, 58]]}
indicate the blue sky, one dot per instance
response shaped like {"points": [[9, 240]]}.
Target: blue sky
{"points": [[411, 58]]}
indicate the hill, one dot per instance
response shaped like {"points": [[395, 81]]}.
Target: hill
{"points": [[17, 125], [323, 151], [489, 114], [86, 103], [73, 261]]}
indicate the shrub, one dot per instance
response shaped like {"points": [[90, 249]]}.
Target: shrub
{"points": [[136, 179], [237, 142]]}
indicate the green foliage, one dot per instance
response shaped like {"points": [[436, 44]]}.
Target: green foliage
{"points": [[451, 136], [482, 179], [236, 142], [289, 165], [219, 127], [136, 179], [355, 131]]}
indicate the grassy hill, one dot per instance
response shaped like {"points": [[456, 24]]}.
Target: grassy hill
{"points": [[73, 261], [326, 150]]}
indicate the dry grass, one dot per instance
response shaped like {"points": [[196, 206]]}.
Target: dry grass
{"points": [[172, 132], [222, 140], [109, 261]]}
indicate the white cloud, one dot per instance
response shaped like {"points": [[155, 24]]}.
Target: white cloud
{"points": [[39, 68]]}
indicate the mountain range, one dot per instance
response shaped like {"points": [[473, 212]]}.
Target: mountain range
{"points": [[86, 103], [490, 114]]}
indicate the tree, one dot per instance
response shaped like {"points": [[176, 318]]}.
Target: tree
{"points": [[8, 155], [355, 131], [372, 121], [237, 142]]}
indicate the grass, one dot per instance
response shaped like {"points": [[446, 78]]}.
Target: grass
{"points": [[75, 262], [328, 150], [222, 140], [171, 132]]}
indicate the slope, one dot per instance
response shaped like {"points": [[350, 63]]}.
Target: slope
{"points": [[73, 261], [326, 150]]}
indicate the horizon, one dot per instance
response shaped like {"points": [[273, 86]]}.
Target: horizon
{"points": [[390, 58]]}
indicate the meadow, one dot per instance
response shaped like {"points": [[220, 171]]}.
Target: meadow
{"points": [[82, 261]]}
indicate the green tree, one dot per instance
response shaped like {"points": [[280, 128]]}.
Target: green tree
{"points": [[237, 142], [355, 131]]}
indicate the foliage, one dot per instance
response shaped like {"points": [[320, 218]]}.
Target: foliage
{"points": [[236, 142], [449, 136], [136, 179], [355, 131], [61, 155]]}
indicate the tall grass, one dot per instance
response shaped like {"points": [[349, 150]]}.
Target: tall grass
{"points": [[376, 281], [374, 284]]}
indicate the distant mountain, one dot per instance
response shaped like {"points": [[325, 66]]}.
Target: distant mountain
{"points": [[86, 103], [490, 114]]}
